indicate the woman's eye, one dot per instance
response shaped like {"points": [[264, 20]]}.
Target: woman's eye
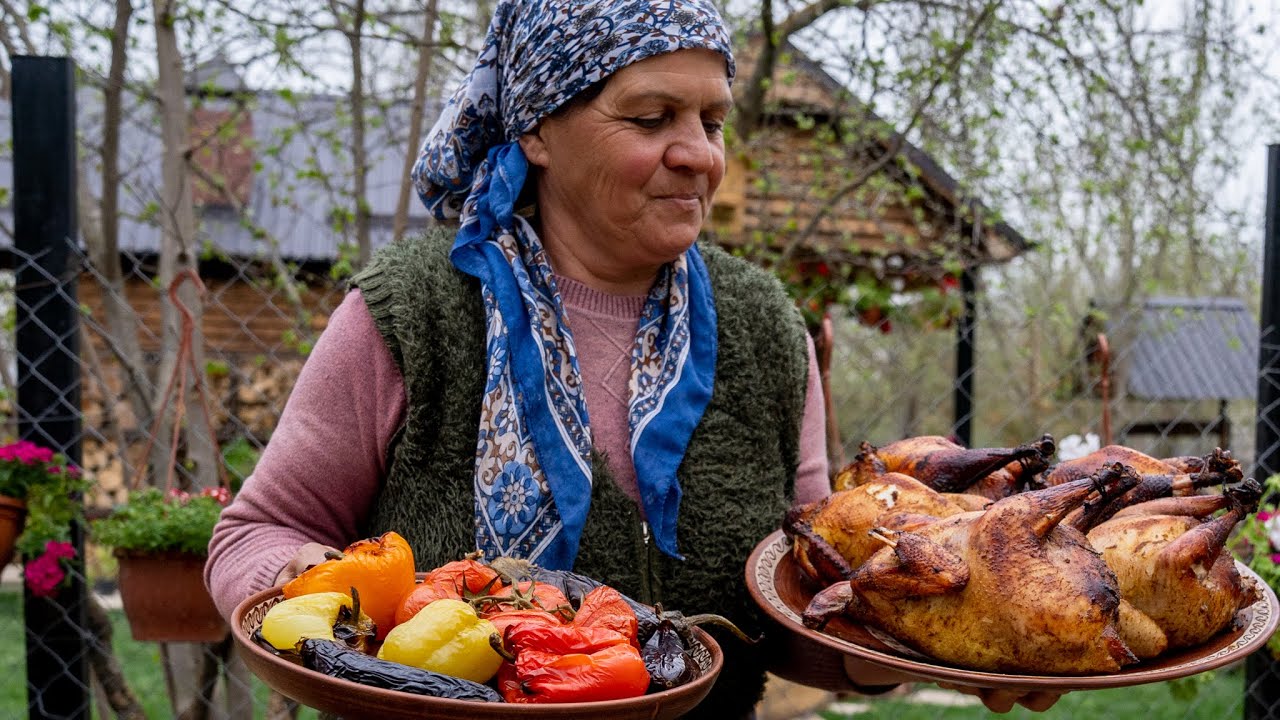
{"points": [[648, 123]]}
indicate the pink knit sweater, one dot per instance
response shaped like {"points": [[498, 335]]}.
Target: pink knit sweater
{"points": [[319, 475]]}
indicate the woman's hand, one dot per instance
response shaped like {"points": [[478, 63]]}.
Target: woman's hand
{"points": [[307, 556], [1002, 701], [871, 679]]}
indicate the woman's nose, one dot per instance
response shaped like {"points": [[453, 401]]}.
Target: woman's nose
{"points": [[692, 149]]}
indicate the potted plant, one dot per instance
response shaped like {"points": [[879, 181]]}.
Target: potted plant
{"points": [[1258, 546], [39, 500], [160, 540]]}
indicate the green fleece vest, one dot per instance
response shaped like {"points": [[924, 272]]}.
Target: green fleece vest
{"points": [[737, 476]]}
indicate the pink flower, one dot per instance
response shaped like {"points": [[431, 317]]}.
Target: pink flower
{"points": [[44, 575], [1275, 558], [1264, 516], [221, 494], [59, 549], [26, 452]]}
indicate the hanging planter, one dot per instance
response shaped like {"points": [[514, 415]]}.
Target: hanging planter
{"points": [[165, 599], [161, 538], [13, 513]]}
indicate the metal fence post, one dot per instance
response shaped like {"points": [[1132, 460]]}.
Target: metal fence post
{"points": [[966, 330], [47, 340], [1262, 673]]}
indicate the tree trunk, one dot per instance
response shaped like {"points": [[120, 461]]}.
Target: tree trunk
{"points": [[426, 55], [177, 254], [359, 153], [122, 321], [105, 666]]}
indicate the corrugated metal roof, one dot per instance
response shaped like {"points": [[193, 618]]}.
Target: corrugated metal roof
{"points": [[303, 146], [1192, 349]]}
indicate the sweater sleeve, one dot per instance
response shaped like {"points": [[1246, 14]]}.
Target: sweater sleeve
{"points": [[813, 481], [319, 474]]}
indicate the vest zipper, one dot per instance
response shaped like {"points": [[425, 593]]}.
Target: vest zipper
{"points": [[646, 565]]}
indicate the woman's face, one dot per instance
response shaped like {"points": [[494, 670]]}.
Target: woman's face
{"points": [[628, 178]]}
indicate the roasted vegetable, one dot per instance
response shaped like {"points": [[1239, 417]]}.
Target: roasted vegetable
{"points": [[459, 580], [325, 616], [525, 595], [666, 659], [563, 663], [445, 637], [380, 568], [576, 587], [504, 620], [334, 660], [604, 607]]}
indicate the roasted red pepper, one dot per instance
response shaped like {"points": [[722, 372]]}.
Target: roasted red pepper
{"points": [[503, 620], [605, 607], [565, 663]]}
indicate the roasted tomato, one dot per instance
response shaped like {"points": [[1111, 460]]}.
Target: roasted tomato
{"points": [[458, 580], [527, 595]]}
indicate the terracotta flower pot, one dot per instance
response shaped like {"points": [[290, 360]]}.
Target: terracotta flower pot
{"points": [[165, 599], [13, 515]]}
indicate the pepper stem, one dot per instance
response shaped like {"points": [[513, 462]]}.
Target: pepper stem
{"points": [[719, 621], [495, 642]]}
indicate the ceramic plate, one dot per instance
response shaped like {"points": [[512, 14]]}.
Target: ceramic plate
{"points": [[351, 700], [779, 586]]}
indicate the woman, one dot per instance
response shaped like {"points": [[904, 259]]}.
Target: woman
{"points": [[568, 377]]}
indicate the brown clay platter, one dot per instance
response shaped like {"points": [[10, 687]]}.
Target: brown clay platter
{"points": [[353, 701], [780, 588]]}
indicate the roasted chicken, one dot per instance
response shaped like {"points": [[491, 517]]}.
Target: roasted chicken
{"points": [[830, 537], [947, 467], [1158, 479], [1008, 589], [1168, 556]]}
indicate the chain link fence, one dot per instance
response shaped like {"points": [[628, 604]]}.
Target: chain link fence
{"points": [[73, 382]]}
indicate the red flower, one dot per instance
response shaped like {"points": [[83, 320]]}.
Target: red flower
{"points": [[886, 327]]}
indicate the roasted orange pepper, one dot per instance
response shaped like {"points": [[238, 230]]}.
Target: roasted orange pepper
{"points": [[380, 568]]}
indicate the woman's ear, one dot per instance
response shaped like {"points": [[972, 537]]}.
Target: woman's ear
{"points": [[535, 148]]}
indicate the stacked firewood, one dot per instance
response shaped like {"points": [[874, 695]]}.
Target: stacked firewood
{"points": [[246, 399]]}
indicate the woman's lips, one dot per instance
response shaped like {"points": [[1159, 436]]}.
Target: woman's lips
{"points": [[685, 201]]}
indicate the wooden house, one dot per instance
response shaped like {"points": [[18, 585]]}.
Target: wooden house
{"points": [[826, 183]]}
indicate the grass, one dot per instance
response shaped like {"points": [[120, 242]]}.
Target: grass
{"points": [[1218, 694], [140, 662]]}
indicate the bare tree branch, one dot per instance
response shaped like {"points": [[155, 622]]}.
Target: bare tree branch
{"points": [[894, 146]]}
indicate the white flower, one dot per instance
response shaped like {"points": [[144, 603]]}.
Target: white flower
{"points": [[1273, 531], [1074, 446]]}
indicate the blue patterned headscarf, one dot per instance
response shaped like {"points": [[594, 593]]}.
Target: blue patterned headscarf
{"points": [[533, 466]]}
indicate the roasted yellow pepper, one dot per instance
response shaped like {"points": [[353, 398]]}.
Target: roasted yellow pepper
{"points": [[446, 637], [314, 616]]}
